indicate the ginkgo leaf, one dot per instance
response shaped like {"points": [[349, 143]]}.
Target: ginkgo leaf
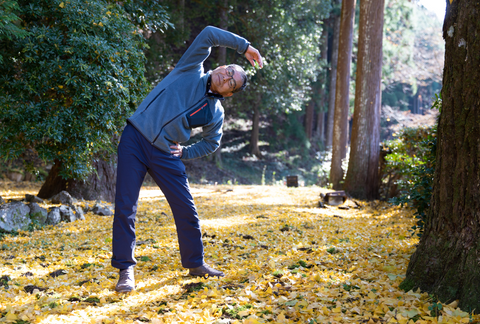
{"points": [[279, 276]]}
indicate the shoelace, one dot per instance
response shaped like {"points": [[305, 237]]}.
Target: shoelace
{"points": [[124, 275]]}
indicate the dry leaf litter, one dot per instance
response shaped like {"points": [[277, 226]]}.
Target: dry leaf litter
{"points": [[285, 259]]}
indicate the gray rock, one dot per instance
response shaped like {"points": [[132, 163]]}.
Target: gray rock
{"points": [[14, 216], [1, 200], [15, 176], [38, 213], [34, 199], [53, 217], [63, 198], [101, 210], [67, 214], [79, 212]]}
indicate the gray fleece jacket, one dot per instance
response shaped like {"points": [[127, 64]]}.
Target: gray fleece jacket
{"points": [[180, 102]]}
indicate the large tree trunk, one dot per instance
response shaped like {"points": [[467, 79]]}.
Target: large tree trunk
{"points": [[340, 123], [362, 176], [100, 185], [446, 262], [333, 82]]}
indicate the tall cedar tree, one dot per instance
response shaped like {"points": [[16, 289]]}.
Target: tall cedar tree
{"points": [[447, 257], [362, 175], [340, 124], [333, 78]]}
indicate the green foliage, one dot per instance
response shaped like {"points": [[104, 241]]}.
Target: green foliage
{"points": [[411, 162], [435, 309], [68, 86], [288, 40], [9, 22], [147, 15], [398, 39]]}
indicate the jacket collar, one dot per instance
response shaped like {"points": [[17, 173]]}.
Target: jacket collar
{"points": [[208, 92]]}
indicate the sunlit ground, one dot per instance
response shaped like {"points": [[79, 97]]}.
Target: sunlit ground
{"points": [[285, 259]]}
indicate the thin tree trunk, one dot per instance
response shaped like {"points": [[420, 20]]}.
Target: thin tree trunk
{"points": [[181, 15], [254, 149], [333, 82], [100, 185], [340, 123], [222, 60], [309, 114], [320, 129], [362, 176], [446, 262]]}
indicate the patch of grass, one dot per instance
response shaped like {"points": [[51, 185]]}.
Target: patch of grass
{"points": [[278, 273], [299, 264], [194, 286], [407, 285], [92, 300], [233, 312]]}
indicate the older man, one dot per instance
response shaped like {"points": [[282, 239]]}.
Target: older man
{"points": [[151, 142]]}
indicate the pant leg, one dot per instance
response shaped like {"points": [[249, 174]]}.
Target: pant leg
{"points": [[131, 170], [168, 172]]}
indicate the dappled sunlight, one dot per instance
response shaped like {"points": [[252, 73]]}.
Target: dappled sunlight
{"points": [[285, 259]]}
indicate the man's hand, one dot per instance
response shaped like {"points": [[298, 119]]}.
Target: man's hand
{"points": [[252, 55], [176, 150]]}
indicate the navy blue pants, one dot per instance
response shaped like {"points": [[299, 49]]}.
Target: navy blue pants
{"points": [[136, 157]]}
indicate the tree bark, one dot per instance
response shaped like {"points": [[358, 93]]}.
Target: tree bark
{"points": [[446, 262], [333, 82], [362, 176], [100, 185], [340, 123]]}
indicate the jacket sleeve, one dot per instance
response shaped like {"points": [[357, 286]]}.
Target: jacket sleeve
{"points": [[200, 49], [212, 134]]}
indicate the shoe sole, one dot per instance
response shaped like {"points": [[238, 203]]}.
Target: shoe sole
{"points": [[124, 290]]}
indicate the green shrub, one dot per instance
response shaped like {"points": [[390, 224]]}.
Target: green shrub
{"points": [[410, 165], [68, 86]]}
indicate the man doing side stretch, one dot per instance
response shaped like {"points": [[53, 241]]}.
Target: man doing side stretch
{"points": [[151, 142]]}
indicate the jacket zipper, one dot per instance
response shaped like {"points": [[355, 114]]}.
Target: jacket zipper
{"points": [[153, 100], [161, 129]]}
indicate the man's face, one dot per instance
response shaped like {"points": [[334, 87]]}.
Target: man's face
{"points": [[225, 80]]}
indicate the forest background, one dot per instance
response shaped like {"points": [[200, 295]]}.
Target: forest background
{"points": [[279, 126]]}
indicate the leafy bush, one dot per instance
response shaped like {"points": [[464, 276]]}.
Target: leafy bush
{"points": [[68, 86], [409, 169]]}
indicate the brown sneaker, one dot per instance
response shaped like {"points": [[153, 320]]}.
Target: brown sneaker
{"points": [[205, 271]]}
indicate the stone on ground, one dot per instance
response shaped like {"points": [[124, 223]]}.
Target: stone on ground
{"points": [[63, 198], [14, 216]]}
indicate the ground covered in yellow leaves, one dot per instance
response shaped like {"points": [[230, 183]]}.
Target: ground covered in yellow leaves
{"points": [[285, 259]]}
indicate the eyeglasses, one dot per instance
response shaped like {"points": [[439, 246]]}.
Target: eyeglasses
{"points": [[230, 73]]}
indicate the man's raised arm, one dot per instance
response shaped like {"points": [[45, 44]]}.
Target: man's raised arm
{"points": [[211, 36]]}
